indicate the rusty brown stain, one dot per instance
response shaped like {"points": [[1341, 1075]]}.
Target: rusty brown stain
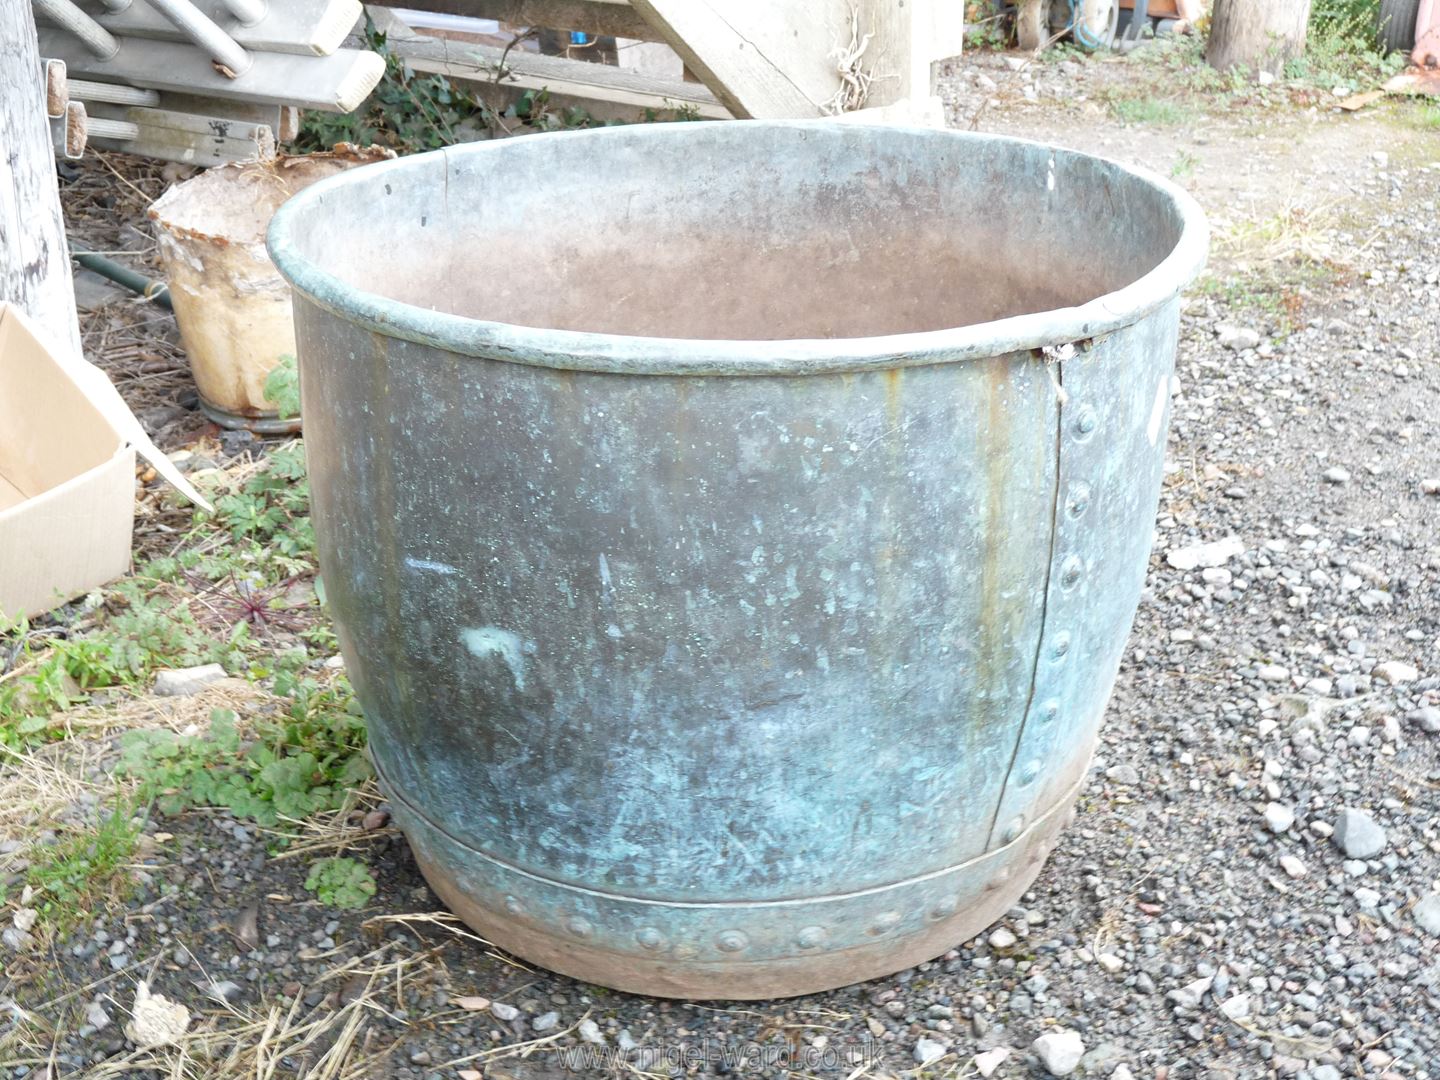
{"points": [[998, 451], [893, 390]]}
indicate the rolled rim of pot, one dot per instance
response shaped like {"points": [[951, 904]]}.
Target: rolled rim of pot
{"points": [[581, 350]]}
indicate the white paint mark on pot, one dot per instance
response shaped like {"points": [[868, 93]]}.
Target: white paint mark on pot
{"points": [[1157, 411], [430, 565], [487, 641]]}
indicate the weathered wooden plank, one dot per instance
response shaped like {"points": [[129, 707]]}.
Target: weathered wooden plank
{"points": [[905, 41], [337, 83], [34, 261], [248, 111], [477, 65], [617, 19], [304, 27], [184, 137], [761, 60]]}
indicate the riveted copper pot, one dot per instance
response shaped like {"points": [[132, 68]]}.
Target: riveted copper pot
{"points": [[733, 529]]}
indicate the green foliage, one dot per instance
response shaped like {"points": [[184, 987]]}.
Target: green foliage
{"points": [[282, 388], [986, 27], [271, 508], [84, 863], [289, 767], [341, 882], [1342, 48], [145, 633], [407, 112]]}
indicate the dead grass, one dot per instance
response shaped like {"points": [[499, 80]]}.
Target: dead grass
{"points": [[333, 833], [41, 787], [1299, 231], [179, 714], [340, 1039]]}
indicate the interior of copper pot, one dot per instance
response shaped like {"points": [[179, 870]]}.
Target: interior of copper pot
{"points": [[740, 231]]}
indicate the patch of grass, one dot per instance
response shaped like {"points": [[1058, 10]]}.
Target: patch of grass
{"points": [[207, 603], [1184, 167], [1277, 293], [287, 768], [1428, 117], [1149, 110], [240, 589], [341, 882], [1299, 232], [85, 866]]}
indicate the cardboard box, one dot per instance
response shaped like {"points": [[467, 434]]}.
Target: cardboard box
{"points": [[67, 473]]}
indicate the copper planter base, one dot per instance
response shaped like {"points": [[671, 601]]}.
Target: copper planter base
{"points": [[740, 950]]}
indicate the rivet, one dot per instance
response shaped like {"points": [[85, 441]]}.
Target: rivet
{"points": [[811, 937], [1078, 500], [1014, 829], [579, 926], [1029, 771], [1086, 422], [731, 940], [650, 938], [945, 908], [887, 920], [513, 905], [1070, 571], [1061, 645], [1049, 711]]}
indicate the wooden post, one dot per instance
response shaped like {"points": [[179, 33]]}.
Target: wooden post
{"points": [[34, 259], [1032, 23], [1257, 34]]}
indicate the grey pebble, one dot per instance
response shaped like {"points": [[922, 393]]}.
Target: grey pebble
{"points": [[1427, 914], [1358, 835], [928, 1050]]}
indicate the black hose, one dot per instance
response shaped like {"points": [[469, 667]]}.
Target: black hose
{"points": [[155, 291]]}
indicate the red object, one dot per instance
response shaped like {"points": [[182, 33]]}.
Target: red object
{"points": [[1427, 35], [1159, 9]]}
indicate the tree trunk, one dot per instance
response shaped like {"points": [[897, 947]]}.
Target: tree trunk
{"points": [[34, 259], [1031, 23], [1257, 34]]}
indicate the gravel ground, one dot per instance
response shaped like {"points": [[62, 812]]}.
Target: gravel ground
{"points": [[1243, 893]]}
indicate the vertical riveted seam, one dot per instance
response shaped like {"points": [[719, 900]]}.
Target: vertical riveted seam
{"points": [[1040, 638]]}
